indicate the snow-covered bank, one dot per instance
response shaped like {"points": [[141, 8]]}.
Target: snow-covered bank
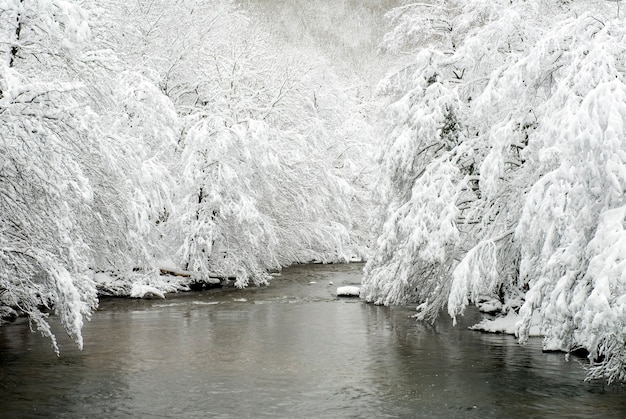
{"points": [[167, 278], [139, 285], [170, 278], [509, 324]]}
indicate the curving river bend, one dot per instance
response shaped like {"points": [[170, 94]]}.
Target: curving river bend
{"points": [[289, 350]]}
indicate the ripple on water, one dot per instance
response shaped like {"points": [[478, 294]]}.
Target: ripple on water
{"points": [[290, 350]]}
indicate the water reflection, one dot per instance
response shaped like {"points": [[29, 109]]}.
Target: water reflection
{"points": [[290, 350]]}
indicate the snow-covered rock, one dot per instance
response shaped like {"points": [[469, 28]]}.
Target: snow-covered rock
{"points": [[348, 291], [145, 291], [489, 305]]}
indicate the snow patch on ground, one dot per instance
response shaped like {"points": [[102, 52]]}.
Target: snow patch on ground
{"points": [[212, 280], [508, 325], [103, 278], [139, 284]]}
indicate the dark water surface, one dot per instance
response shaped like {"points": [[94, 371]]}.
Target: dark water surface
{"points": [[290, 350]]}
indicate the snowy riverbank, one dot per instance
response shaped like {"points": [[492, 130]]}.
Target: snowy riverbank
{"points": [[170, 278], [167, 278], [509, 323]]}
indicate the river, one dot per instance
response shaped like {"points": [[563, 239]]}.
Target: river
{"points": [[292, 349]]}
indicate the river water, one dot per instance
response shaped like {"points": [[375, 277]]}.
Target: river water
{"points": [[292, 349]]}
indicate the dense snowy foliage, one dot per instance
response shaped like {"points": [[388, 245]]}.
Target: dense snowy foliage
{"points": [[77, 188], [509, 181], [133, 132], [262, 178]]}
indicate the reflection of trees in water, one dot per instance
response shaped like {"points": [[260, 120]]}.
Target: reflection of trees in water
{"points": [[410, 361], [34, 381], [437, 364], [15, 339]]}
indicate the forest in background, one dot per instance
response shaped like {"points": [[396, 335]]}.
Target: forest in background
{"points": [[489, 161]]}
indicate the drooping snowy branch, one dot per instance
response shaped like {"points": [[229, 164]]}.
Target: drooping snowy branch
{"points": [[541, 98], [74, 195]]}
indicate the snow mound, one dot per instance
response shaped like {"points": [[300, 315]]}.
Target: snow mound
{"points": [[145, 291], [489, 305], [348, 291]]}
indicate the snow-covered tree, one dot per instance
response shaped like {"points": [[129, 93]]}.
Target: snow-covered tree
{"points": [[75, 193], [537, 214], [572, 221], [420, 184], [260, 130], [45, 188], [170, 41], [260, 190], [425, 170], [549, 159]]}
